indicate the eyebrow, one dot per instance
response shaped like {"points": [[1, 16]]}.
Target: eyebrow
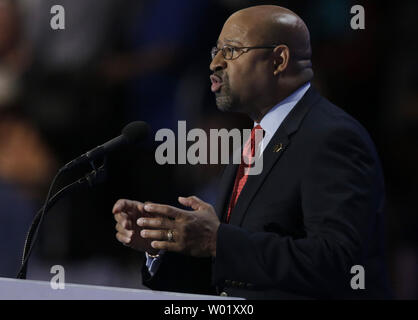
{"points": [[230, 40]]}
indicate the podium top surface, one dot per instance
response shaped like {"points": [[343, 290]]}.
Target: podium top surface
{"points": [[14, 289]]}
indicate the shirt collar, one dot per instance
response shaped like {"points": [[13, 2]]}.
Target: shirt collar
{"points": [[274, 118]]}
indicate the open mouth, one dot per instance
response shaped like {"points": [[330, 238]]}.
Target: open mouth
{"points": [[216, 83]]}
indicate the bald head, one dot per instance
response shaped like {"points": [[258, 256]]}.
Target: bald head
{"points": [[270, 58], [277, 25], [270, 24]]}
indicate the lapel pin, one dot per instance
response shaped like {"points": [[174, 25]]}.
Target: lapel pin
{"points": [[277, 148]]}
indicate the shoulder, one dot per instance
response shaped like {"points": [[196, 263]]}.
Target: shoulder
{"points": [[327, 123]]}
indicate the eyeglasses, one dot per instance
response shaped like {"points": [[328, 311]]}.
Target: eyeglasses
{"points": [[231, 52]]}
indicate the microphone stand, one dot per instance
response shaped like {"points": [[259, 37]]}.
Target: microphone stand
{"points": [[95, 177]]}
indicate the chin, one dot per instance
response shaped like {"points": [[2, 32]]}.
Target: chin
{"points": [[224, 103]]}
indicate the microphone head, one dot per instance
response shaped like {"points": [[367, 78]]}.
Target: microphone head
{"points": [[136, 131]]}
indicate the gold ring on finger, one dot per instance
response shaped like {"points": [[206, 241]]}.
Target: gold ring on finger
{"points": [[170, 236]]}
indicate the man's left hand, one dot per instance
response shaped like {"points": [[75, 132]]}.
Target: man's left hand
{"points": [[190, 232]]}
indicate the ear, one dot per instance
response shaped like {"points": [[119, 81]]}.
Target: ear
{"points": [[281, 56]]}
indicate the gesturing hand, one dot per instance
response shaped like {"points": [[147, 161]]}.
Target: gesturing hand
{"points": [[193, 232], [126, 214]]}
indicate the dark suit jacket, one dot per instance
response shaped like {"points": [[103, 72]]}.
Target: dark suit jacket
{"points": [[298, 228]]}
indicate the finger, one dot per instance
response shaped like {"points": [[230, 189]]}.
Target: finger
{"points": [[120, 217], [125, 205], [160, 223], [193, 202], [123, 239], [126, 222], [165, 245], [163, 209], [121, 229], [140, 206], [120, 205], [143, 213], [154, 234]]}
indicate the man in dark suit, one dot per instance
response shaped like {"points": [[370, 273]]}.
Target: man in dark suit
{"points": [[316, 210]]}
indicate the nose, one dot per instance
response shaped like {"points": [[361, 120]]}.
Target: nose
{"points": [[218, 63]]}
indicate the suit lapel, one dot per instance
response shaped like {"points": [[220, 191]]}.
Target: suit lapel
{"points": [[272, 153]]}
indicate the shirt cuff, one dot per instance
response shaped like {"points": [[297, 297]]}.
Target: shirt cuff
{"points": [[153, 263]]}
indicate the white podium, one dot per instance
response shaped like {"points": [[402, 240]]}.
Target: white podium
{"points": [[13, 289]]}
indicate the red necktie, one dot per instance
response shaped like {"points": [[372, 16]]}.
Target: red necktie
{"points": [[241, 178]]}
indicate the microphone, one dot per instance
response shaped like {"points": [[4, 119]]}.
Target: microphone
{"points": [[132, 133]]}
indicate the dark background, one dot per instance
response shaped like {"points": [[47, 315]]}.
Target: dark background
{"points": [[64, 91]]}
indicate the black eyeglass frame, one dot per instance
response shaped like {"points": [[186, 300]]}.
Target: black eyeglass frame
{"points": [[215, 50]]}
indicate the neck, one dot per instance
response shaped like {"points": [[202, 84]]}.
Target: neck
{"points": [[284, 88], [257, 113]]}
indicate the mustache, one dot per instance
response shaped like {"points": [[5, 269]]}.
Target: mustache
{"points": [[221, 75]]}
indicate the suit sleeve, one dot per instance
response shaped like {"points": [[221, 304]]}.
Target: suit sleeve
{"points": [[341, 196]]}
